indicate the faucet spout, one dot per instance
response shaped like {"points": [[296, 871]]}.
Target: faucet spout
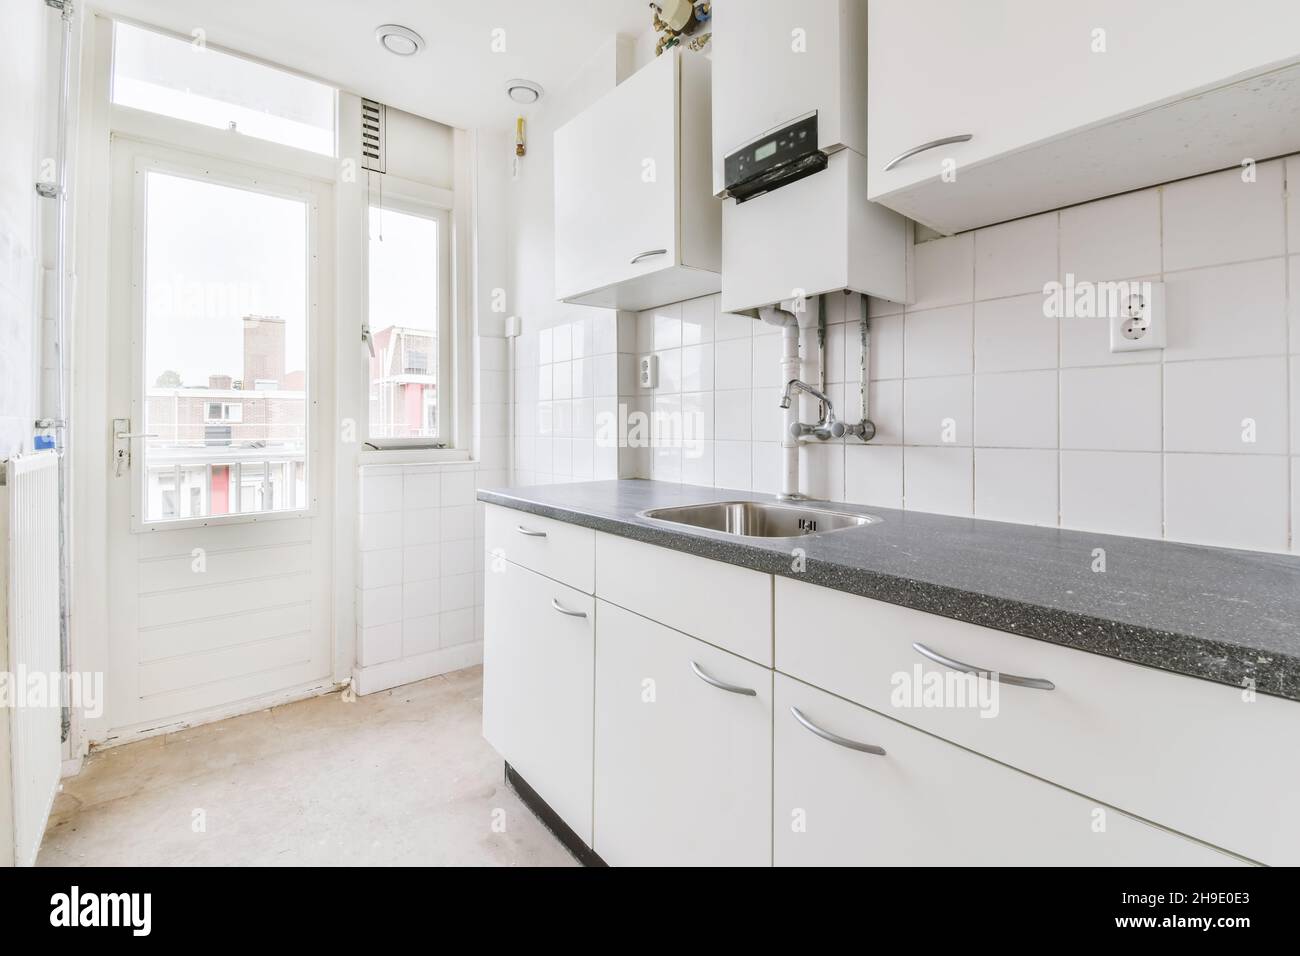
{"points": [[825, 429]]}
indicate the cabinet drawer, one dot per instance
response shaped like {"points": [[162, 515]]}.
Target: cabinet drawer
{"points": [[925, 802], [1188, 754], [719, 603], [565, 552], [537, 684], [683, 767]]}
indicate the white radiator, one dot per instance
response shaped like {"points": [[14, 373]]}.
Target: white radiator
{"points": [[29, 649]]}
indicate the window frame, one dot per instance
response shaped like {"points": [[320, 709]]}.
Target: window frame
{"points": [[418, 199]]}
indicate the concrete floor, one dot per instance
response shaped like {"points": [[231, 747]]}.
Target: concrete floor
{"points": [[402, 777]]}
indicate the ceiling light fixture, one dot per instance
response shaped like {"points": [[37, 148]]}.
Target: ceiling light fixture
{"points": [[399, 39], [525, 92]]}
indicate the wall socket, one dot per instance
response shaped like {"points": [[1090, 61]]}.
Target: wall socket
{"points": [[1141, 321], [647, 371]]}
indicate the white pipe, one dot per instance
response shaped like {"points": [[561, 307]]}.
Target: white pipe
{"points": [[790, 370]]}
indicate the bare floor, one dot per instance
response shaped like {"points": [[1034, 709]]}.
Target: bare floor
{"points": [[398, 778]]}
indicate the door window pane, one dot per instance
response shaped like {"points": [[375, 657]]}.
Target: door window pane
{"points": [[225, 348], [404, 322], [172, 77]]}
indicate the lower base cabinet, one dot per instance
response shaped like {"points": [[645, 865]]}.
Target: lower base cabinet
{"points": [[538, 645], [683, 761], [926, 802]]}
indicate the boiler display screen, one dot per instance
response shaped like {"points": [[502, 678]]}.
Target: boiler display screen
{"points": [[763, 152]]}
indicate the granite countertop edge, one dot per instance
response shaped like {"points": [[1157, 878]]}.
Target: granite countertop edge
{"points": [[1181, 653]]}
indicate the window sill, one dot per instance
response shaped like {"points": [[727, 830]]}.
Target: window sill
{"points": [[415, 456]]}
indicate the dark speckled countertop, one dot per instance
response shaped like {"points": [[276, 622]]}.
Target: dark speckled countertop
{"points": [[1225, 616]]}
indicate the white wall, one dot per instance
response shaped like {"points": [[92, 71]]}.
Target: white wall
{"points": [[22, 77]]}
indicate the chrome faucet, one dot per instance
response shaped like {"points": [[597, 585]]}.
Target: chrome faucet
{"points": [[829, 427]]}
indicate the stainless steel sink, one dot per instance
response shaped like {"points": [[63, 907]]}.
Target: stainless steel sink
{"points": [[759, 519]]}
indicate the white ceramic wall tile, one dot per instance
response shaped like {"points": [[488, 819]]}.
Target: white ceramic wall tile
{"points": [[455, 524], [732, 464], [1017, 485], [458, 557], [1295, 405], [822, 464], [418, 600], [420, 636], [768, 350], [733, 413], [1230, 405], [873, 475], [938, 480], [1016, 410], [697, 368], [699, 317], [766, 468], [1293, 299], [670, 370], [458, 488], [1017, 257], [734, 364], [887, 336], [667, 327], [1227, 311], [379, 606], [1111, 409], [420, 563], [1221, 218], [1086, 341], [457, 591], [697, 463], [456, 627], [730, 326], [1112, 492], [1112, 238], [1232, 501], [380, 531], [945, 272], [1013, 335], [886, 401], [1293, 203], [937, 411], [378, 569], [381, 493], [376, 645], [939, 342]]}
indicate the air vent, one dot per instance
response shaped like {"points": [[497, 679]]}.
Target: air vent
{"points": [[372, 136]]}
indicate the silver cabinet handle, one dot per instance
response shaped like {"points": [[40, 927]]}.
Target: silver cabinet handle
{"points": [[946, 141], [1037, 683], [721, 685], [564, 610], [648, 255], [836, 738], [530, 534], [123, 436]]}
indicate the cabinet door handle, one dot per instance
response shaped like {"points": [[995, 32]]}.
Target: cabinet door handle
{"points": [[648, 255], [933, 144], [564, 610], [530, 534], [722, 685], [836, 738], [1037, 683]]}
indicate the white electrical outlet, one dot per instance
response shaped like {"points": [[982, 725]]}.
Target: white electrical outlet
{"points": [[648, 371], [1140, 322]]}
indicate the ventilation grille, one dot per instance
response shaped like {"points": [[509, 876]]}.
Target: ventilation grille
{"points": [[372, 136]]}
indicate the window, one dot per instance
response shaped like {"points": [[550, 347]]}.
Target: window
{"points": [[409, 305], [225, 346], [187, 80]]}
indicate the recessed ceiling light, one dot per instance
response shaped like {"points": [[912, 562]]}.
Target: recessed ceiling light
{"points": [[398, 39], [523, 91]]}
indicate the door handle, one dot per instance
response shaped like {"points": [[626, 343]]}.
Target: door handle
{"points": [[124, 436], [933, 144], [564, 610], [1037, 683], [648, 255], [722, 685], [836, 738]]}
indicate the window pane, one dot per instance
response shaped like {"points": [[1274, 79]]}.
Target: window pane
{"points": [[161, 74], [404, 323], [225, 350]]}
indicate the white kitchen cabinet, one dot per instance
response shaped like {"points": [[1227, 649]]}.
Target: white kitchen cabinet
{"points": [[1067, 102], [1153, 743], [636, 223], [538, 656], [683, 769], [925, 802]]}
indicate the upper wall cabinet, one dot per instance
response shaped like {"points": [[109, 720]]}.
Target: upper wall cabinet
{"points": [[636, 223], [983, 112]]}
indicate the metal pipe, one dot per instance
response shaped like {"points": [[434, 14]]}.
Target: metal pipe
{"points": [[62, 426]]}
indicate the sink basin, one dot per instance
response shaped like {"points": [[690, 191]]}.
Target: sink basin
{"points": [[760, 519]]}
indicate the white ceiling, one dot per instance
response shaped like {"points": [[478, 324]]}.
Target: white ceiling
{"points": [[457, 79]]}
